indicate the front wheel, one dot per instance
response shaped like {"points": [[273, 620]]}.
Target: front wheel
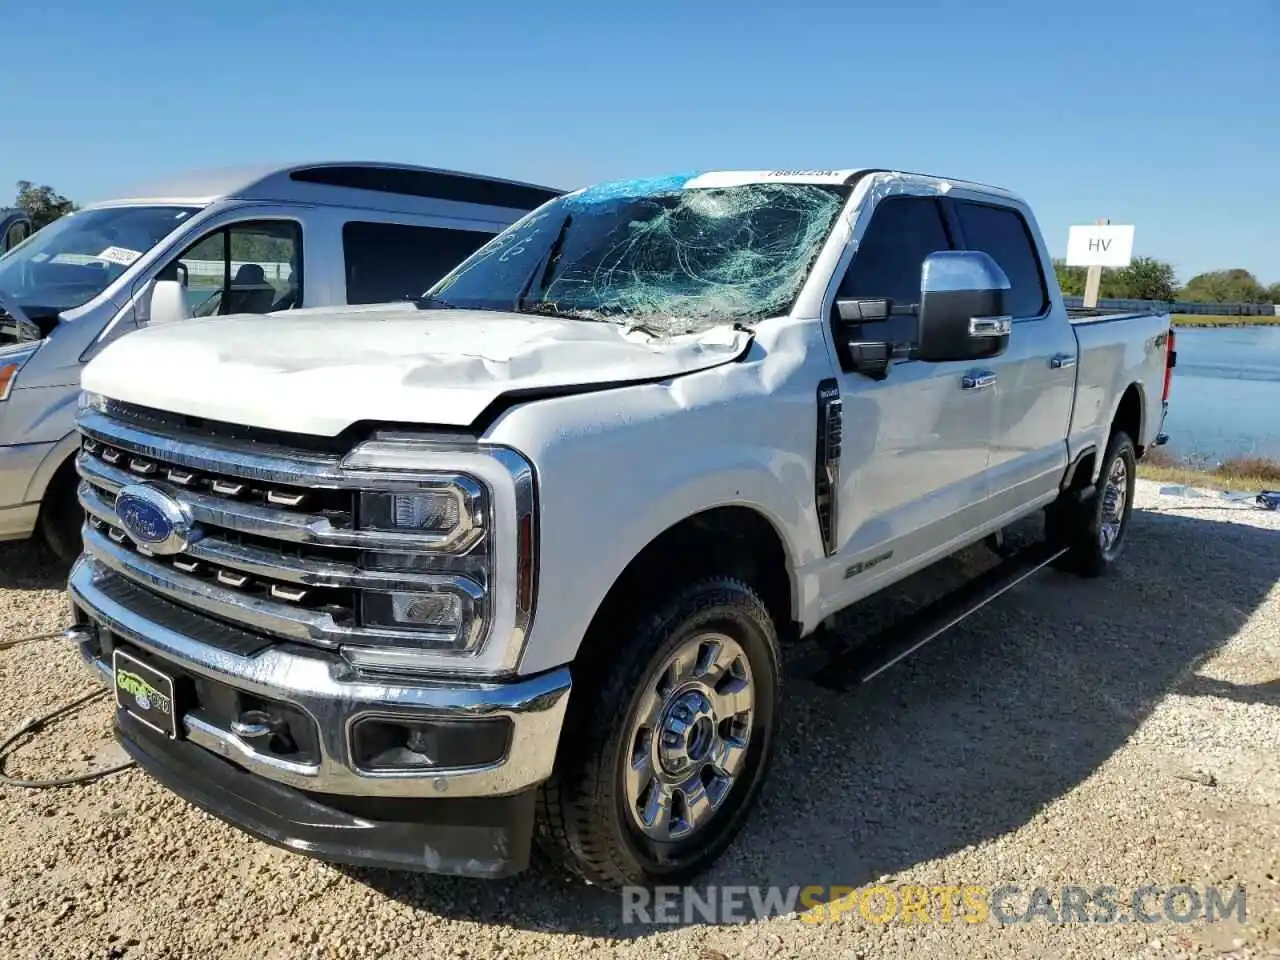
{"points": [[666, 748], [61, 516], [1096, 530]]}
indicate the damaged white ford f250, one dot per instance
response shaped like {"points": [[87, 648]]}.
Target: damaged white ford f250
{"points": [[407, 586]]}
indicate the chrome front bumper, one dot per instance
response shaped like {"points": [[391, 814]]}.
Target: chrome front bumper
{"points": [[325, 688]]}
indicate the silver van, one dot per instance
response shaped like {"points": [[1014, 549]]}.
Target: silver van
{"points": [[254, 241]]}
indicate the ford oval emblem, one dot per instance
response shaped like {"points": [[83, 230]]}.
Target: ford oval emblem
{"points": [[154, 519]]}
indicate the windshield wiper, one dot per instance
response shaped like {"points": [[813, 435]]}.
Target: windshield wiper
{"points": [[432, 303], [549, 308], [542, 272]]}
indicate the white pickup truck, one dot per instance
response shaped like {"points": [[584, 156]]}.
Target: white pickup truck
{"points": [[409, 585]]}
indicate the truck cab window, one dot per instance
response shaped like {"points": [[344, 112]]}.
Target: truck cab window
{"points": [[245, 268], [1002, 233], [386, 262], [890, 257]]}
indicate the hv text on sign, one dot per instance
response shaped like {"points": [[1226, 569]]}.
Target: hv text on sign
{"points": [[1100, 245]]}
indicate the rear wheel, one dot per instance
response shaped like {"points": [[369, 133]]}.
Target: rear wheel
{"points": [[1096, 528], [61, 516], [666, 747]]}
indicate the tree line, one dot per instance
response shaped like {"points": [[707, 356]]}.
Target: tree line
{"points": [[1146, 278], [42, 204]]}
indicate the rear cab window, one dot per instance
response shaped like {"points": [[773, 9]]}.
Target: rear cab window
{"points": [[1002, 233], [386, 262]]}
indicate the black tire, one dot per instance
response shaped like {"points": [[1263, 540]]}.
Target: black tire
{"points": [[584, 818], [1081, 527], [61, 516]]}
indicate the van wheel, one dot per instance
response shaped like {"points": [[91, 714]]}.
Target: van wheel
{"points": [[1097, 529], [61, 515], [666, 747]]}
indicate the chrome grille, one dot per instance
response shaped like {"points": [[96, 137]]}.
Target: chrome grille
{"points": [[335, 505], [278, 549]]}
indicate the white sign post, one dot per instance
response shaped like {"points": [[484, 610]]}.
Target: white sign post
{"points": [[1103, 244]]}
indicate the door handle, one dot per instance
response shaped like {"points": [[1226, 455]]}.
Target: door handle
{"points": [[990, 326], [978, 381], [1062, 361]]}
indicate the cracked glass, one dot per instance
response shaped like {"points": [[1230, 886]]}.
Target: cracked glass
{"points": [[653, 255]]}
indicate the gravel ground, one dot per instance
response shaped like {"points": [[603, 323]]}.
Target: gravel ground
{"points": [[1121, 732]]}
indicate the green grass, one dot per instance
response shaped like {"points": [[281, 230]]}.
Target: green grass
{"points": [[1237, 473], [1210, 320]]}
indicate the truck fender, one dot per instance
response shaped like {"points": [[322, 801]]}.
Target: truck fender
{"points": [[1131, 420], [626, 529]]}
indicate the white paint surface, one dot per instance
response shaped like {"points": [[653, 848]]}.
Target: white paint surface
{"points": [[317, 372]]}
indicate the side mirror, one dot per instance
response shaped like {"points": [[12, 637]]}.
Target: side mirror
{"points": [[963, 312], [168, 302]]}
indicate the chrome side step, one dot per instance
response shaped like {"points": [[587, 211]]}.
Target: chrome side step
{"points": [[848, 666]]}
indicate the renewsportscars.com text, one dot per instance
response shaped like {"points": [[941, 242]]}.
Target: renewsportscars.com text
{"points": [[917, 903]]}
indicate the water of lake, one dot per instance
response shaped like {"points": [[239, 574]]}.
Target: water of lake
{"points": [[1225, 400]]}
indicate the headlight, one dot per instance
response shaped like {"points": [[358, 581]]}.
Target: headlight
{"points": [[448, 512], [11, 361], [88, 400], [458, 555], [451, 615]]}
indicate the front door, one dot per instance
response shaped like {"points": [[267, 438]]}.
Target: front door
{"points": [[915, 445]]}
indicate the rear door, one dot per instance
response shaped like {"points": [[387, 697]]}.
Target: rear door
{"points": [[1035, 376], [914, 445]]}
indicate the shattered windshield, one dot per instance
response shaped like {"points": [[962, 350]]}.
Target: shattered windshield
{"points": [[655, 255]]}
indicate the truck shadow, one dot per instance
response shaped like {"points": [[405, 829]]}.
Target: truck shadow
{"points": [[30, 565], [962, 743]]}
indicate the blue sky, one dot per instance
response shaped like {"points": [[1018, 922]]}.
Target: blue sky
{"points": [[1162, 114]]}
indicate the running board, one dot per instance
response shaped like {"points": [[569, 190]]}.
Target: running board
{"points": [[847, 668]]}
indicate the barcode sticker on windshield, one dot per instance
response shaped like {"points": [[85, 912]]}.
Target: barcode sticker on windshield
{"points": [[120, 255]]}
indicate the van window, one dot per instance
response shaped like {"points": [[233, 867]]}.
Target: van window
{"points": [[244, 268], [436, 184], [76, 257], [15, 235], [1002, 233], [394, 261]]}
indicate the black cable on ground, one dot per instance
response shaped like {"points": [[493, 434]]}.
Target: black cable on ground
{"points": [[6, 644], [37, 724]]}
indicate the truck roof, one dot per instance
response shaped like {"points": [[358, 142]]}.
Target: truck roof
{"points": [[310, 181], [709, 179]]}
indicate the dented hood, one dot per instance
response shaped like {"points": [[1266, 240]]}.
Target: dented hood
{"points": [[319, 371]]}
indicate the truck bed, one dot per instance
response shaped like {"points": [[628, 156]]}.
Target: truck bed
{"points": [[1118, 352], [1097, 314]]}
